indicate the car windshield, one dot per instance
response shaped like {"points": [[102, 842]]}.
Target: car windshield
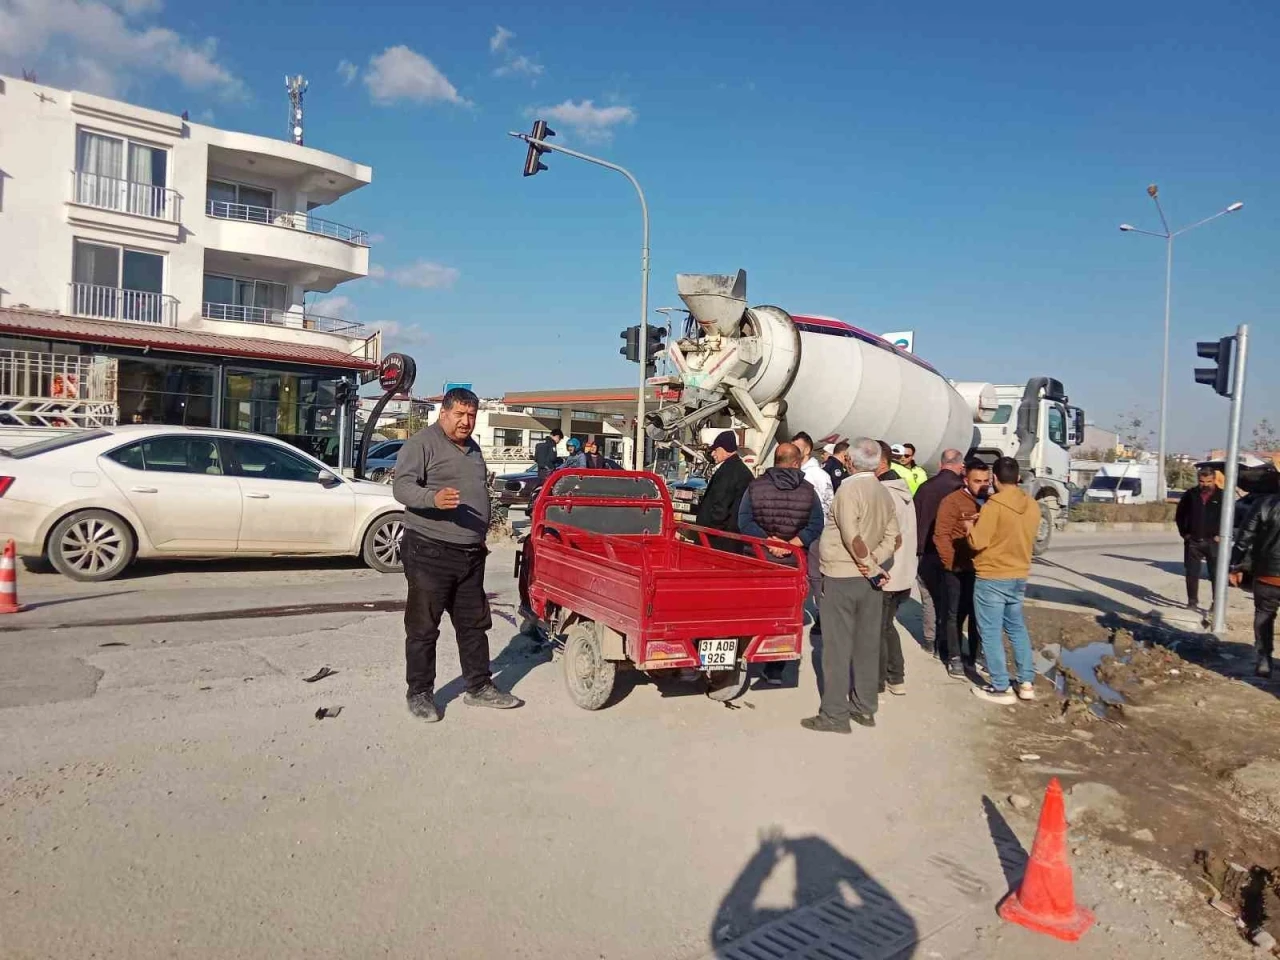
{"points": [[1125, 484], [52, 443]]}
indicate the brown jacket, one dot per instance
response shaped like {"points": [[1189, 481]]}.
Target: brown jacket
{"points": [[948, 530], [1004, 535]]}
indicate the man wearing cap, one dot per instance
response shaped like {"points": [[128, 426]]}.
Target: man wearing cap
{"points": [[720, 501], [905, 466]]}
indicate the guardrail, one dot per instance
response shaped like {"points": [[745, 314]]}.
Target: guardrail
{"points": [[224, 210], [126, 196], [281, 318], [115, 303]]}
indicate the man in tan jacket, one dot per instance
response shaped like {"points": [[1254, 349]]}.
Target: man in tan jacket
{"points": [[853, 550], [1002, 541]]}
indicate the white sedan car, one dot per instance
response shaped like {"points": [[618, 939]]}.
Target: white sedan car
{"points": [[90, 502]]}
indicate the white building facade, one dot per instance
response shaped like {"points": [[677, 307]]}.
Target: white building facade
{"points": [[187, 254]]}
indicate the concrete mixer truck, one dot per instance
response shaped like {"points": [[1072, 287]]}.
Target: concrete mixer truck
{"points": [[768, 373]]}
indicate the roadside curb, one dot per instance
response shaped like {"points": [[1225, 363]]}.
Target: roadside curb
{"points": [[1118, 527]]}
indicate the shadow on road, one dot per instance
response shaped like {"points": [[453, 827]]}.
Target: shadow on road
{"points": [[861, 907], [39, 604], [1013, 856]]}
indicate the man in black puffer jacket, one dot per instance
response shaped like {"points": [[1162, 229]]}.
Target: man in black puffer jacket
{"points": [[1257, 552], [781, 505]]}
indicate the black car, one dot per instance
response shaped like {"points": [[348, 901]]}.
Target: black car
{"points": [[518, 489]]}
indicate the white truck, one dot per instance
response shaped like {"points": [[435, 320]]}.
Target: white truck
{"points": [[769, 373], [1125, 481]]}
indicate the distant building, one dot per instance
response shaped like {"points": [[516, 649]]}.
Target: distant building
{"points": [[173, 264], [1097, 440]]}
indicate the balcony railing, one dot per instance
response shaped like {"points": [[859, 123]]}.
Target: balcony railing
{"points": [[114, 303], [224, 210], [282, 318], [125, 196]]}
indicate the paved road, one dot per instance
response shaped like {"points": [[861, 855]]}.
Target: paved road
{"points": [[167, 790]]}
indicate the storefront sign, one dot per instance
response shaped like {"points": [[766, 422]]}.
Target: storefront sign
{"points": [[397, 373]]}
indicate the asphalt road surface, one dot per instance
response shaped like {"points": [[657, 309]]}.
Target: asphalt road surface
{"points": [[167, 789]]}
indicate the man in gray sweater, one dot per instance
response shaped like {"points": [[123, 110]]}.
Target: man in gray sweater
{"points": [[441, 480]]}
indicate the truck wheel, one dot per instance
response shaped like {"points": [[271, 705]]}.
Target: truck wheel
{"points": [[587, 674], [725, 685], [1045, 533]]}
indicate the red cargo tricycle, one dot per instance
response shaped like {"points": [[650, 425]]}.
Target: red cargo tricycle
{"points": [[616, 582]]}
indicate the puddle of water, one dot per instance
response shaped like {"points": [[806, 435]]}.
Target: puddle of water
{"points": [[1084, 662]]}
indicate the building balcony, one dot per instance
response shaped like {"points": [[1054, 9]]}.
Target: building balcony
{"points": [[267, 316], [328, 253], [128, 306], [141, 209]]}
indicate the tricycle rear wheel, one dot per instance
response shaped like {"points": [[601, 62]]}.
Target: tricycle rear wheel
{"points": [[725, 685], [588, 676]]}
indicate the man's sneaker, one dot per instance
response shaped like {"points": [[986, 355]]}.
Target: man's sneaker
{"points": [[955, 669], [1026, 690], [423, 706], [824, 724], [862, 719], [897, 689], [992, 695], [491, 696]]}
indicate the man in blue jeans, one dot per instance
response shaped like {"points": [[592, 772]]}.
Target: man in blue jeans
{"points": [[1002, 538]]}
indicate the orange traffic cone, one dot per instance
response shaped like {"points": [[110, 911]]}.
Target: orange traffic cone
{"points": [[1046, 901], [9, 580]]}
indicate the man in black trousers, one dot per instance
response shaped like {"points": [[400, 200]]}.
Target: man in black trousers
{"points": [[1199, 511], [718, 508], [440, 478]]}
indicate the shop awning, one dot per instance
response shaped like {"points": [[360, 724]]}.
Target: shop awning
{"points": [[56, 326], [602, 400]]}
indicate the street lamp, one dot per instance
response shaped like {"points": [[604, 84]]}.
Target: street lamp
{"points": [[1153, 192]]}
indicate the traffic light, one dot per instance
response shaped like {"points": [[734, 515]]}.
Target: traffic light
{"points": [[1218, 376], [632, 350], [654, 344], [533, 159]]}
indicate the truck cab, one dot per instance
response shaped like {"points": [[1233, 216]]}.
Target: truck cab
{"points": [[1035, 424]]}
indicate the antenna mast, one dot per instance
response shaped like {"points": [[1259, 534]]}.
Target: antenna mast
{"points": [[296, 86]]}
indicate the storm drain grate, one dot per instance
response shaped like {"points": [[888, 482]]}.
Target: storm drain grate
{"points": [[877, 922]]}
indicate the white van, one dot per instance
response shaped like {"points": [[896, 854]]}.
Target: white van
{"points": [[1124, 482]]}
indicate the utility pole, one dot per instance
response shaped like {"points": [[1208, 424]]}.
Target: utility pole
{"points": [[538, 145], [1226, 527]]}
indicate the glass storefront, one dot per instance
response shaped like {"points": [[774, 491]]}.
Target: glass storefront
{"points": [[299, 409], [165, 391]]}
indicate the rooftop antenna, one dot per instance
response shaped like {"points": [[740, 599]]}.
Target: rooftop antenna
{"points": [[296, 86]]}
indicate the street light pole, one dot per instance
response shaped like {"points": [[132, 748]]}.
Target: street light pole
{"points": [[637, 458], [1153, 192]]}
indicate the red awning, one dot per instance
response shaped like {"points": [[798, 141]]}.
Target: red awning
{"points": [[56, 326]]}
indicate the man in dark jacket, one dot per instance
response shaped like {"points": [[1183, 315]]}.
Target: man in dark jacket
{"points": [[930, 583], [720, 501], [1257, 552], [1199, 511], [782, 505], [544, 453], [837, 465]]}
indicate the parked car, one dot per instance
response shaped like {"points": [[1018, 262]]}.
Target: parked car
{"points": [[382, 459], [91, 502], [518, 489]]}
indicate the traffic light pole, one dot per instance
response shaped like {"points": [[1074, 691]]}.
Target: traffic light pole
{"points": [[1226, 526], [637, 459]]}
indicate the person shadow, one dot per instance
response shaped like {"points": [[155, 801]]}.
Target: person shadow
{"points": [[522, 654], [857, 909]]}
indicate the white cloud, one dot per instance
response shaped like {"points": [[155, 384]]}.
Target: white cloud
{"points": [[424, 275], [396, 333], [586, 119], [103, 46], [204, 116], [501, 37], [347, 71], [514, 63], [340, 307], [399, 73], [377, 238]]}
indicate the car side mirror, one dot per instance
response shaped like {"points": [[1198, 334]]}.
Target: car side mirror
{"points": [[327, 479]]}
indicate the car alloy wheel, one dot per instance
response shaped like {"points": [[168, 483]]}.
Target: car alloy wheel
{"points": [[92, 545], [382, 544]]}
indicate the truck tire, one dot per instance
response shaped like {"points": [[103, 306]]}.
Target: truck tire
{"points": [[1045, 533], [588, 676], [726, 685]]}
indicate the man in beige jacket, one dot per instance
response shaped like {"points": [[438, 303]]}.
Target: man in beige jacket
{"points": [[853, 550]]}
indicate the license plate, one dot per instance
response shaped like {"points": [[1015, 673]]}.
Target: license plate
{"points": [[718, 654], [684, 494]]}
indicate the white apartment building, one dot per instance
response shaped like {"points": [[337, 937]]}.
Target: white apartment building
{"points": [[173, 264]]}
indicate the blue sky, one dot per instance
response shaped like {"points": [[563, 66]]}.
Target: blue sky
{"points": [[956, 169]]}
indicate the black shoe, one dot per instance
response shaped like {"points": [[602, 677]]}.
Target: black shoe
{"points": [[955, 670], [1262, 668], [862, 719], [491, 696], [824, 724], [423, 706]]}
